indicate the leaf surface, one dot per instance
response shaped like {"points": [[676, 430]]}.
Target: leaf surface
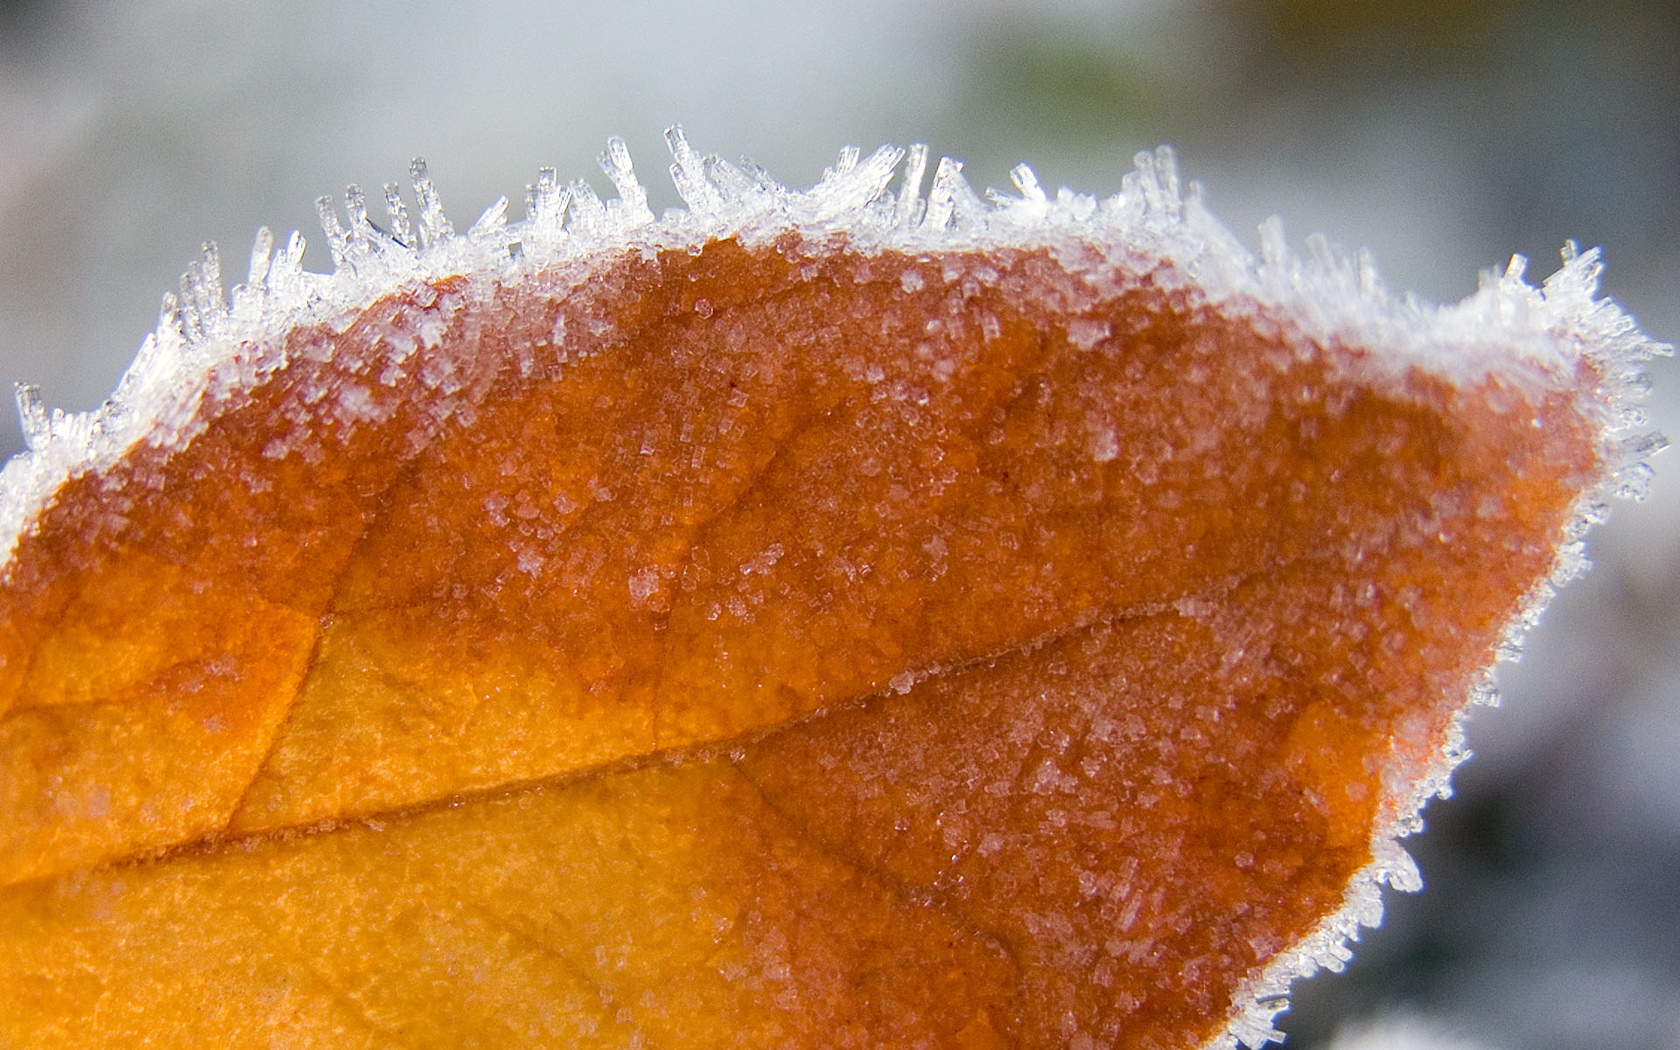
{"points": [[774, 639]]}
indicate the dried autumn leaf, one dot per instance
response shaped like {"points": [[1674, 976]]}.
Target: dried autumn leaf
{"points": [[834, 618]]}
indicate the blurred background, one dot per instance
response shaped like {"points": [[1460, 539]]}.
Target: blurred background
{"points": [[1442, 134]]}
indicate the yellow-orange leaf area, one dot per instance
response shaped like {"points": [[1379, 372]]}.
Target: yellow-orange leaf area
{"points": [[779, 645]]}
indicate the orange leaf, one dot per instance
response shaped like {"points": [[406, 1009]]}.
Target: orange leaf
{"points": [[811, 619]]}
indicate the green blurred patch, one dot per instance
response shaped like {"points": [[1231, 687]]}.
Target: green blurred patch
{"points": [[1078, 105], [1059, 89]]}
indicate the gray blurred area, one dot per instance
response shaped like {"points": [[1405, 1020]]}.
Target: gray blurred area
{"points": [[1442, 134]]}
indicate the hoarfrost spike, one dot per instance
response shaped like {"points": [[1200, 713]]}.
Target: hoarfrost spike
{"points": [[942, 199], [875, 173], [396, 213], [169, 318], [262, 257], [689, 174], [763, 179], [434, 225], [587, 210], [202, 302], [850, 186], [32, 416], [196, 309], [355, 207], [1331, 263], [200, 286], [289, 265], [1642, 445], [968, 205], [211, 300], [1157, 179], [545, 204], [186, 318], [1027, 182], [491, 222], [1274, 247], [337, 241], [910, 202], [1370, 281], [1166, 171], [735, 183], [615, 161]]}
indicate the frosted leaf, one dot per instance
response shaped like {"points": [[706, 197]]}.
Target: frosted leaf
{"points": [[202, 350]]}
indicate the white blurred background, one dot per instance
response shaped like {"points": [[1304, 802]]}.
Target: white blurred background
{"points": [[1442, 134]]}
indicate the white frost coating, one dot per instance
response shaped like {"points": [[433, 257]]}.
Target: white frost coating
{"points": [[207, 343]]}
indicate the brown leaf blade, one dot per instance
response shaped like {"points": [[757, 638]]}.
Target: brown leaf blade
{"points": [[768, 638]]}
